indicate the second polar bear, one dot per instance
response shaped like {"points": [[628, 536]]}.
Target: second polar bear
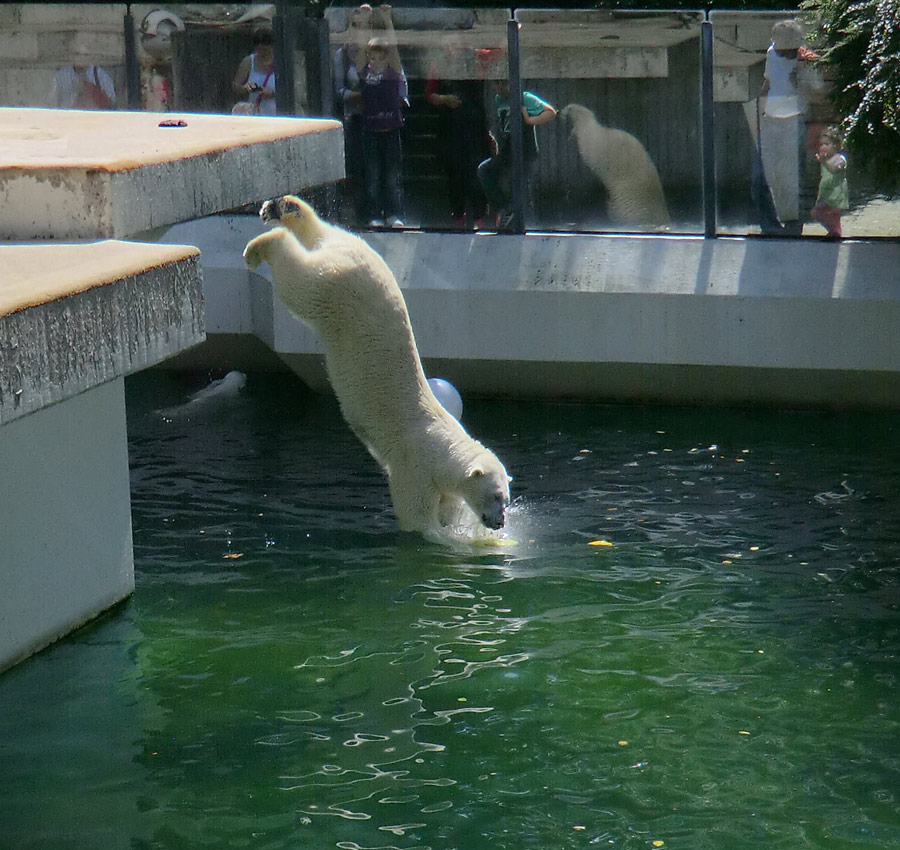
{"points": [[339, 286], [620, 162]]}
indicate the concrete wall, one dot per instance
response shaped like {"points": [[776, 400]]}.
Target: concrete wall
{"points": [[603, 318], [66, 519]]}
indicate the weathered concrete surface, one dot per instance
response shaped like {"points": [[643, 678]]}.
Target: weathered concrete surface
{"points": [[605, 318], [75, 316], [68, 174]]}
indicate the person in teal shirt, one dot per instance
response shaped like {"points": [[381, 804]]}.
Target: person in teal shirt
{"points": [[834, 194], [495, 173]]}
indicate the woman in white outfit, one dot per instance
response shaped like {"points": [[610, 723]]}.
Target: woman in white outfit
{"points": [[255, 77], [781, 123]]}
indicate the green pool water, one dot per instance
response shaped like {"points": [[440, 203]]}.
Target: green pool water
{"points": [[293, 672]]}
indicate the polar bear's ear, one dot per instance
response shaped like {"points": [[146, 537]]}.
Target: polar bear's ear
{"points": [[474, 472], [509, 477]]}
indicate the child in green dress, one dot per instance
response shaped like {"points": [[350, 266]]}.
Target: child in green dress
{"points": [[833, 194]]}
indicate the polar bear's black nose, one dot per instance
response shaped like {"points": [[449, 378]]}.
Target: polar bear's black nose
{"points": [[494, 521]]}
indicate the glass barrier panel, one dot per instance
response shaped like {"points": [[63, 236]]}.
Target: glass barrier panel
{"points": [[449, 58], [623, 152], [631, 76], [765, 178], [779, 152]]}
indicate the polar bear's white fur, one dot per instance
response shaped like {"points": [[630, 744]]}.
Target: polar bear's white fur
{"points": [[335, 283], [620, 162]]}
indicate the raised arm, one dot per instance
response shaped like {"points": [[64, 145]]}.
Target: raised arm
{"points": [[363, 34], [239, 84], [383, 16], [536, 111], [547, 114]]}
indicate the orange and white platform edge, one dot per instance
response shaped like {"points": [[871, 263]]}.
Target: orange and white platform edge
{"points": [[71, 174]]}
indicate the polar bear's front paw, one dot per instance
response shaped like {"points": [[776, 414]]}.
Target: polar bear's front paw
{"points": [[273, 211], [252, 256], [270, 212]]}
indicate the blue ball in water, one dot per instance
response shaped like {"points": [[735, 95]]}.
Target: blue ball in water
{"points": [[447, 395]]}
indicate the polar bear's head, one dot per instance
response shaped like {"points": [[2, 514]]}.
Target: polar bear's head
{"points": [[486, 489], [576, 114]]}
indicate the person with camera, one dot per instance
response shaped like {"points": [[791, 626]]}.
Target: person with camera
{"points": [[254, 80]]}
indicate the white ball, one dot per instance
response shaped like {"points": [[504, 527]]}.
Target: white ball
{"points": [[447, 395]]}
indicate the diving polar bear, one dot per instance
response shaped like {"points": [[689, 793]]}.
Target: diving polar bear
{"points": [[334, 282], [620, 162]]}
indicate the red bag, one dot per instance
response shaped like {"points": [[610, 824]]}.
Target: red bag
{"points": [[92, 95]]}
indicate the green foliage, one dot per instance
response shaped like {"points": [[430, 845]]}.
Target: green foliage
{"points": [[861, 41]]}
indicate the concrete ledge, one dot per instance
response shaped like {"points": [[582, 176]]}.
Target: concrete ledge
{"points": [[59, 180], [76, 316], [606, 318]]}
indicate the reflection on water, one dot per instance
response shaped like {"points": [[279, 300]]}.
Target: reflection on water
{"points": [[294, 672]]}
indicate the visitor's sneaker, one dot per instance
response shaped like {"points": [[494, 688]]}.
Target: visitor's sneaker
{"points": [[393, 221], [376, 222], [479, 223]]}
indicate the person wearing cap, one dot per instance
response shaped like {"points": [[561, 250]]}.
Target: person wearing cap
{"points": [[155, 58], [781, 127]]}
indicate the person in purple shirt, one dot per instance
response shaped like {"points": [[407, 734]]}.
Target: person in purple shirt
{"points": [[383, 89]]}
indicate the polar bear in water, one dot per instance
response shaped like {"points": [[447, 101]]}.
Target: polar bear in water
{"points": [[335, 283], [210, 399], [620, 162]]}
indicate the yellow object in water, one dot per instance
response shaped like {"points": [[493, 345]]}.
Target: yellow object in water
{"points": [[599, 543], [494, 542]]}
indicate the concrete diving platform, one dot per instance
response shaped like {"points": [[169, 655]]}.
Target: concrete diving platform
{"points": [[67, 174], [76, 317], [73, 322]]}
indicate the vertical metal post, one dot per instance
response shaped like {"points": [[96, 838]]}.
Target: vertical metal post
{"points": [[708, 142], [324, 69], [319, 68], [284, 34], [132, 68], [314, 34], [516, 126]]}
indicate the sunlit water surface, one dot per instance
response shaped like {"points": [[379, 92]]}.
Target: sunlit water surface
{"points": [[293, 672]]}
